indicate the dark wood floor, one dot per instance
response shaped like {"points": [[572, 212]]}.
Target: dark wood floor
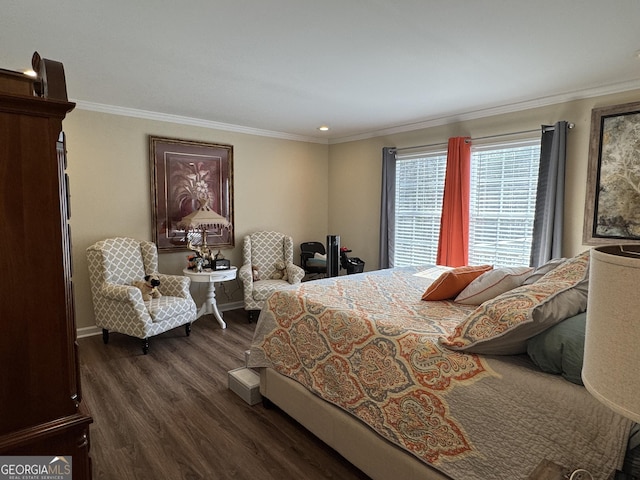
{"points": [[169, 415]]}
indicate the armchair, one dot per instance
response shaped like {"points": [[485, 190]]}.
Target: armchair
{"points": [[118, 306], [264, 249]]}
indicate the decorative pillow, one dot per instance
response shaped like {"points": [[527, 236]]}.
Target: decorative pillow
{"points": [[503, 325], [493, 283], [452, 282], [560, 349], [540, 272]]}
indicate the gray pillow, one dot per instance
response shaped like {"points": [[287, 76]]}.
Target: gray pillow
{"points": [[542, 270]]}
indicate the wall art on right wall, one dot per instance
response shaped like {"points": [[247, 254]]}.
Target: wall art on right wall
{"points": [[612, 206]]}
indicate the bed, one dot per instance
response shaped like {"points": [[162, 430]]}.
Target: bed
{"points": [[435, 389]]}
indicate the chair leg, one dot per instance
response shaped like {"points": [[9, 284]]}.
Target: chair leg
{"points": [[187, 329], [105, 336], [145, 346]]}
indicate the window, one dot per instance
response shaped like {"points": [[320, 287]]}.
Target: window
{"points": [[502, 204], [419, 188]]}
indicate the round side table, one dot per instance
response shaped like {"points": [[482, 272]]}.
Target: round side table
{"points": [[211, 277]]}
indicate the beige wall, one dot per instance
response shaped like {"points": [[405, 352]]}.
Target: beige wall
{"points": [[355, 169], [308, 190], [279, 185]]}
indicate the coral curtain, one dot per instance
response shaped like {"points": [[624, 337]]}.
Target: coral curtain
{"points": [[549, 215], [453, 244], [388, 207]]}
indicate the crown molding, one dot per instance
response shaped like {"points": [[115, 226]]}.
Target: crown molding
{"points": [[427, 123], [194, 122], [499, 110]]}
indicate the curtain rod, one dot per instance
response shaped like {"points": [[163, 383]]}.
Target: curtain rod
{"points": [[549, 128]]}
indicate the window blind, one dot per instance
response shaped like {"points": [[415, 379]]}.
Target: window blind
{"points": [[502, 204], [419, 189]]}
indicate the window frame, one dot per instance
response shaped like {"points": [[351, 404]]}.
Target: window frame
{"points": [[400, 258]]}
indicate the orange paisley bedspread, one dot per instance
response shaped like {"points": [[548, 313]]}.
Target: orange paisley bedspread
{"points": [[376, 355], [369, 345]]}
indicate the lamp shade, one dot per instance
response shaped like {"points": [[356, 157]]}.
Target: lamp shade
{"points": [[612, 338], [203, 216]]}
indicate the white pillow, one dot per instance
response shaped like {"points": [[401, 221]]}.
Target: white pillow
{"points": [[493, 283], [319, 256]]}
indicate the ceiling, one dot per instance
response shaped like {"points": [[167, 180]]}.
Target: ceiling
{"points": [[362, 67]]}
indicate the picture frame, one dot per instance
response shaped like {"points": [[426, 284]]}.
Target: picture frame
{"points": [[612, 203], [182, 172]]}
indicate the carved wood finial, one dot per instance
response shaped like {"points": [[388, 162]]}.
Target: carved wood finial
{"points": [[51, 81], [35, 62]]}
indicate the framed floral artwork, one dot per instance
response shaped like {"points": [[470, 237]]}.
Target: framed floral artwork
{"points": [[612, 207], [185, 176]]}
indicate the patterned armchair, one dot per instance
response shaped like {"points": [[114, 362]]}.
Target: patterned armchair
{"points": [[263, 250], [113, 265]]}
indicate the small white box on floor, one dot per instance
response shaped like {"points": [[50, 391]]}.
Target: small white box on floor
{"points": [[246, 384]]}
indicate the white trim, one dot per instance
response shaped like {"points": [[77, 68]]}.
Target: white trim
{"points": [[93, 330], [496, 143], [427, 123], [488, 112], [194, 122], [230, 306], [88, 331]]}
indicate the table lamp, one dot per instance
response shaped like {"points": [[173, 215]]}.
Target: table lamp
{"points": [[612, 337], [202, 218]]}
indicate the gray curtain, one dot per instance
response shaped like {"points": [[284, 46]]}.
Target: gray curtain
{"points": [[388, 207], [549, 215]]}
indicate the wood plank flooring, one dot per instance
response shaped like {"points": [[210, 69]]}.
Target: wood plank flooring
{"points": [[169, 415]]}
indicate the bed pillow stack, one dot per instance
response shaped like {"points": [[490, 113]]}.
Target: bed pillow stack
{"points": [[502, 325], [452, 282]]}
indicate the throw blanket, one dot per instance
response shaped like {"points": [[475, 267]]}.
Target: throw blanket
{"points": [[369, 345]]}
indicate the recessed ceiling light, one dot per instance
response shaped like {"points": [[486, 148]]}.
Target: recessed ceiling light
{"points": [[323, 128]]}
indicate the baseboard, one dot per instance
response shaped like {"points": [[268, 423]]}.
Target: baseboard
{"points": [[230, 306], [88, 331], [93, 330]]}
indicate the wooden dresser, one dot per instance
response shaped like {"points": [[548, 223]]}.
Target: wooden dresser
{"points": [[41, 411]]}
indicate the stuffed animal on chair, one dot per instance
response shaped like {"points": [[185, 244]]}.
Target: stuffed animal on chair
{"points": [[255, 272], [281, 272], [148, 287]]}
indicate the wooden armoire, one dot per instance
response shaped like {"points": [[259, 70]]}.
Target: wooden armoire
{"points": [[41, 410]]}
